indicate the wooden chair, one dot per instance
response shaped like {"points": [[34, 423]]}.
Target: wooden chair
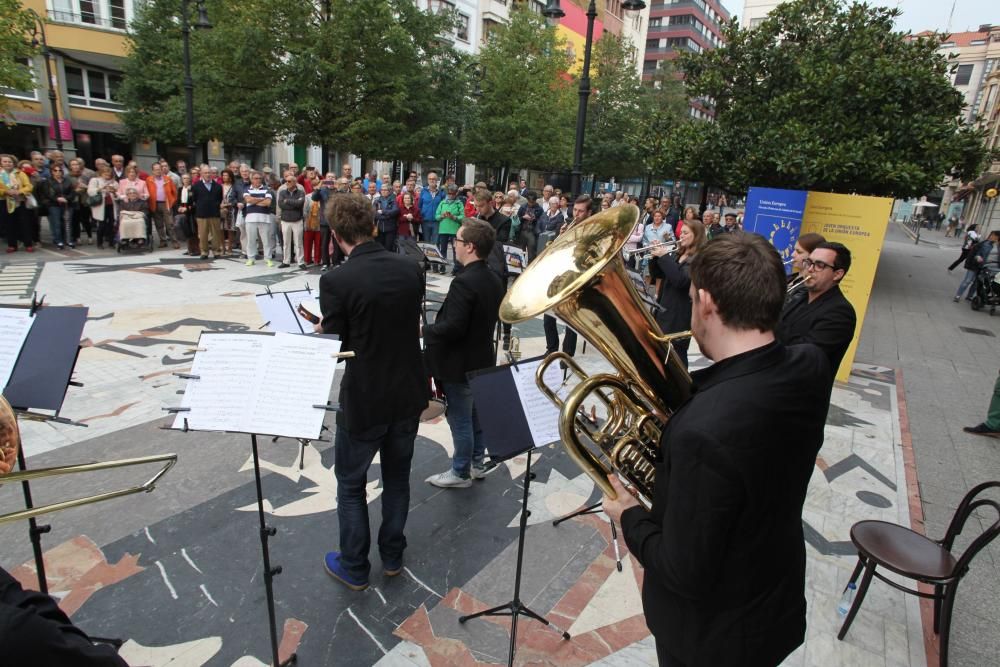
{"points": [[914, 556]]}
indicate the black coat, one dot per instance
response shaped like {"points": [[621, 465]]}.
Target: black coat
{"points": [[373, 302], [206, 202], [461, 338], [675, 301], [828, 322], [723, 547]]}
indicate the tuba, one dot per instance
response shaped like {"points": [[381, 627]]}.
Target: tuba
{"points": [[581, 278]]}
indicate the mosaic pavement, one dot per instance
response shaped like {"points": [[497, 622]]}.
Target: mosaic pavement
{"points": [[177, 574]]}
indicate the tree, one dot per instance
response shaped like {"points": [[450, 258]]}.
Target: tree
{"points": [[376, 79], [826, 96], [526, 113], [236, 68], [16, 24]]}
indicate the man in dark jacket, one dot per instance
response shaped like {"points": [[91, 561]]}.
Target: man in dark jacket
{"points": [[497, 258], [722, 545], [978, 254], [820, 313], [386, 217], [373, 302], [461, 340], [207, 204]]}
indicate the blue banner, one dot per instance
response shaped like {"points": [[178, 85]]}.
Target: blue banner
{"points": [[777, 216]]}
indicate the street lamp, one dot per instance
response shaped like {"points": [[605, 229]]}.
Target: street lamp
{"points": [[39, 29], [553, 12], [201, 24]]}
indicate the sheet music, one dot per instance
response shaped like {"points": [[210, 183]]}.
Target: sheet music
{"points": [[541, 413], [295, 374], [276, 313], [222, 397], [260, 384], [15, 323]]}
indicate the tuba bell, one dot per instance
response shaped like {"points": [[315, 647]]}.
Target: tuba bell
{"points": [[581, 278]]}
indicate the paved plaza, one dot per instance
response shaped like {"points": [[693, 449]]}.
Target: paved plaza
{"points": [[178, 573]]}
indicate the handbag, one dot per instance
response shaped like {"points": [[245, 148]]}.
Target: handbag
{"points": [[30, 201]]}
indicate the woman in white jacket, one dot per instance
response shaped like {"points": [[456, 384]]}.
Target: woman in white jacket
{"points": [[101, 191]]}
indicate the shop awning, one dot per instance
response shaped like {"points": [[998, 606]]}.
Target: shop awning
{"points": [[91, 59]]}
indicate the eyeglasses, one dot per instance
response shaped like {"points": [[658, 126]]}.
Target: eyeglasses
{"points": [[458, 240], [816, 265]]}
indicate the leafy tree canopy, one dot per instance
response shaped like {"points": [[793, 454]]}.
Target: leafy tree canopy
{"points": [[16, 25], [826, 96], [526, 113]]}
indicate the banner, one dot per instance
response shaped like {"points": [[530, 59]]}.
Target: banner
{"points": [[777, 216], [859, 223]]}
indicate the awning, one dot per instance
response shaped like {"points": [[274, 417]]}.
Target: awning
{"points": [[91, 59], [988, 178]]}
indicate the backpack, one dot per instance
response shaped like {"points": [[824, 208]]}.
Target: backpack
{"points": [[970, 260]]}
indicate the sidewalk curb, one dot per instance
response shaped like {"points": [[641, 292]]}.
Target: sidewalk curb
{"points": [[931, 645], [909, 232]]}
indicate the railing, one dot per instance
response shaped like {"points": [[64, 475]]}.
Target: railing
{"points": [[87, 19]]}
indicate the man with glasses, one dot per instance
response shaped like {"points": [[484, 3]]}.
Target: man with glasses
{"points": [[820, 313], [461, 340]]}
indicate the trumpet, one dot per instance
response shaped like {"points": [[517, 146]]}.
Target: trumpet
{"points": [[647, 250], [797, 282]]}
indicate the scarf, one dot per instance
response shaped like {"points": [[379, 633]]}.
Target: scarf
{"points": [[9, 179]]}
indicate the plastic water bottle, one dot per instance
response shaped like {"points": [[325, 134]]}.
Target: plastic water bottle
{"points": [[846, 600]]}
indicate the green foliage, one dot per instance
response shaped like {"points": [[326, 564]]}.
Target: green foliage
{"points": [[16, 25], [825, 96], [378, 80], [526, 114]]}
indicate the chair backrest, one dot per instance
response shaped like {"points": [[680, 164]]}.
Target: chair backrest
{"points": [[968, 505]]}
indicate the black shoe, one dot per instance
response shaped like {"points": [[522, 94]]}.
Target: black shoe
{"points": [[204, 256], [982, 429], [282, 266]]}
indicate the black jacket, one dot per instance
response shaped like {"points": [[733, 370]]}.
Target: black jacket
{"points": [[723, 547], [461, 338], [206, 202], [828, 322], [674, 299], [373, 303]]}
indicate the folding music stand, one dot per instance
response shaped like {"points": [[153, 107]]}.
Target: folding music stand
{"points": [[39, 381], [491, 391], [195, 411]]}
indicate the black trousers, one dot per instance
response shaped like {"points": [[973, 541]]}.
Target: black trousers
{"points": [[106, 227], [663, 656], [16, 225], [552, 337], [82, 221], [961, 258], [35, 631]]}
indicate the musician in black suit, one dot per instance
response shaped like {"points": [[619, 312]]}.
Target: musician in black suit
{"points": [[819, 313], [373, 302], [207, 203], [722, 545], [461, 340]]}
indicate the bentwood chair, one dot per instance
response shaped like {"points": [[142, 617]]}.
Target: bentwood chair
{"points": [[911, 555]]}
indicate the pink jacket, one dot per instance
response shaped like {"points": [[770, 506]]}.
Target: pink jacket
{"points": [[138, 184]]}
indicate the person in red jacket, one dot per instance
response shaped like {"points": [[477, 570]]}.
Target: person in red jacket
{"points": [[409, 216]]}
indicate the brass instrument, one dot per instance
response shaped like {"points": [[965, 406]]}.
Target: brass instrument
{"points": [[647, 250], [797, 282], [10, 442], [581, 278]]}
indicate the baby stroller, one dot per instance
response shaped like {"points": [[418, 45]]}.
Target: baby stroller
{"points": [[132, 231], [987, 289]]}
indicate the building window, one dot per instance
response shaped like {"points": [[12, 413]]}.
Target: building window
{"points": [[92, 88], [438, 6], [30, 93], [652, 43], [963, 75], [462, 27], [113, 14], [655, 22]]}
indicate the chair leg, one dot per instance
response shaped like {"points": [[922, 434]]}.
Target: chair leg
{"points": [[946, 609], [862, 590], [857, 571], [938, 597]]}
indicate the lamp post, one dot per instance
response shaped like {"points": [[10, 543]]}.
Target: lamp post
{"points": [[553, 12], [201, 24], [40, 30]]}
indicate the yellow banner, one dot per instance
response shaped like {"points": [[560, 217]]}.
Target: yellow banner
{"points": [[859, 223]]}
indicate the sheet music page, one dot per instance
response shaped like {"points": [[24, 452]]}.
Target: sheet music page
{"points": [[276, 313], [223, 396], [15, 323], [541, 413], [295, 373]]}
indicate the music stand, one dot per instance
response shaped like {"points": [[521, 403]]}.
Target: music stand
{"points": [[310, 366], [492, 388]]}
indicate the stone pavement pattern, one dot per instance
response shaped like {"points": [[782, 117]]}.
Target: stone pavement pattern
{"points": [[177, 573]]}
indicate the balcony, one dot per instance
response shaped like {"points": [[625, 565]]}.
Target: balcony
{"points": [[87, 20]]}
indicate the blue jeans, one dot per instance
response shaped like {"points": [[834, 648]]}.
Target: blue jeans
{"points": [[352, 457], [57, 224], [969, 281], [465, 430], [429, 231]]}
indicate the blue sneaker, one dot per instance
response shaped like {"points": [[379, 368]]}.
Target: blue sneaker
{"points": [[392, 568], [337, 571]]}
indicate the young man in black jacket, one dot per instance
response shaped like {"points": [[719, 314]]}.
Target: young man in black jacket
{"points": [[722, 545], [373, 303], [461, 340]]}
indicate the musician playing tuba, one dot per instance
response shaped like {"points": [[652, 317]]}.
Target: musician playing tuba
{"points": [[722, 545]]}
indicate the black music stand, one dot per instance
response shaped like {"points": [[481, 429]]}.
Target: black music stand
{"points": [[491, 389], [266, 532]]}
